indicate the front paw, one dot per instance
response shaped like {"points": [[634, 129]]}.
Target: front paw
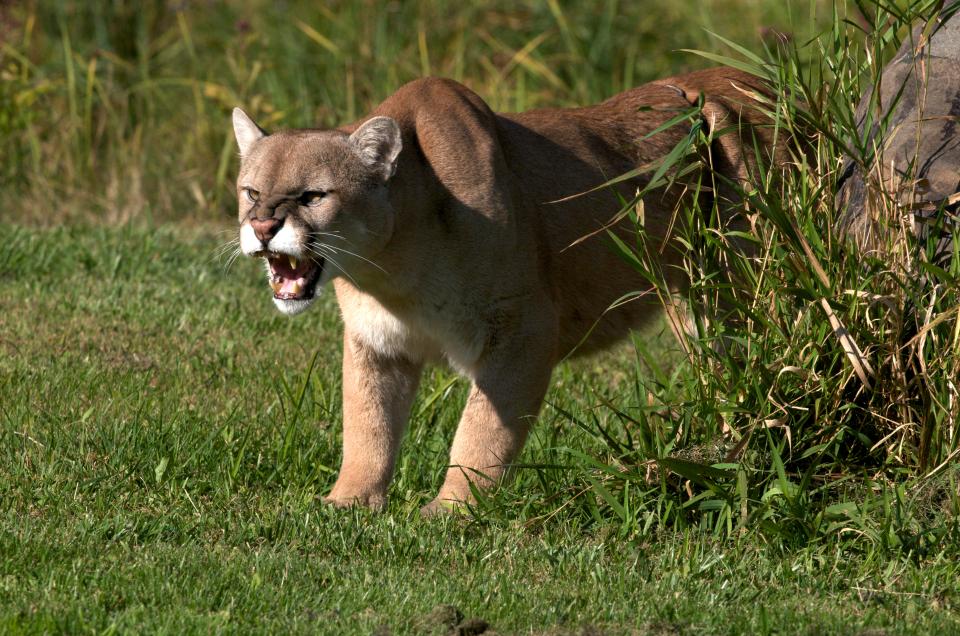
{"points": [[439, 507], [349, 499]]}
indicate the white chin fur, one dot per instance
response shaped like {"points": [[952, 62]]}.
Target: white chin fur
{"points": [[292, 307]]}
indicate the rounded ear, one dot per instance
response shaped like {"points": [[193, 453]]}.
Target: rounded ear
{"points": [[246, 131], [378, 142]]}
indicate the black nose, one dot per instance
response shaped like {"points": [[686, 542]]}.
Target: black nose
{"points": [[265, 229]]}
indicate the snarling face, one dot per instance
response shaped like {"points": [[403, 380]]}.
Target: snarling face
{"points": [[314, 204]]}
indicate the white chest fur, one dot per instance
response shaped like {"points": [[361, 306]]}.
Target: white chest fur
{"points": [[418, 337], [381, 330]]}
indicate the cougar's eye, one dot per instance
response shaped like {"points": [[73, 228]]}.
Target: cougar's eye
{"points": [[252, 195], [312, 197]]}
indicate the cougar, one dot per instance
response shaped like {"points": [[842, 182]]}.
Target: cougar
{"points": [[452, 233]]}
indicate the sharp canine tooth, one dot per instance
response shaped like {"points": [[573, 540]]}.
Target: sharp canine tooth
{"points": [[277, 285], [297, 287], [293, 262]]}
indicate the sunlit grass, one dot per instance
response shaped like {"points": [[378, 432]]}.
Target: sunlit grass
{"points": [[165, 434], [142, 93]]}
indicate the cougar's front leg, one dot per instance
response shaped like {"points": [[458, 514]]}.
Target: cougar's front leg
{"points": [[507, 391], [377, 393]]}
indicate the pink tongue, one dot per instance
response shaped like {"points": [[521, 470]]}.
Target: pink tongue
{"points": [[290, 279], [287, 286]]}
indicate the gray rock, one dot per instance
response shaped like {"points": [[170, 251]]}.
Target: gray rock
{"points": [[920, 92]]}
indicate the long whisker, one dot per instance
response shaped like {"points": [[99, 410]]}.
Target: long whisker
{"points": [[328, 233], [336, 235], [354, 254], [235, 239], [323, 252], [327, 256], [233, 259], [223, 249]]}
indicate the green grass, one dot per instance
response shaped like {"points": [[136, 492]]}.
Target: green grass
{"points": [[116, 111], [165, 435], [156, 474]]}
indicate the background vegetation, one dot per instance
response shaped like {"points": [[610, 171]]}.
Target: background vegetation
{"points": [[164, 434], [126, 105]]}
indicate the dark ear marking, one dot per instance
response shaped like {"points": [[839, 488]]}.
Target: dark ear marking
{"points": [[378, 142]]}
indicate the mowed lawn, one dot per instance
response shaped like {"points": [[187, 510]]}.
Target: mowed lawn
{"points": [[166, 436]]}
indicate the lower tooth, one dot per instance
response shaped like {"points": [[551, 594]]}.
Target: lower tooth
{"points": [[277, 286], [297, 288]]}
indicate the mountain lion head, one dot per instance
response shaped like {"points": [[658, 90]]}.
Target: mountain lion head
{"points": [[313, 203]]}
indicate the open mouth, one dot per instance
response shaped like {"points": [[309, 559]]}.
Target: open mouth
{"points": [[292, 278]]}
